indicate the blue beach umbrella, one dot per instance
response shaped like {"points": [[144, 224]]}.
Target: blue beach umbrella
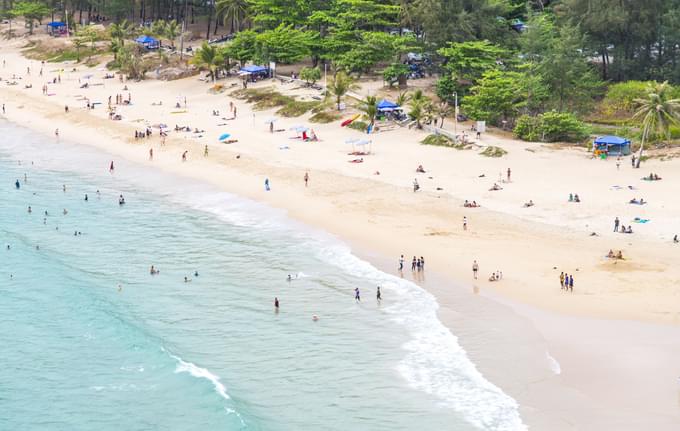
{"points": [[224, 136]]}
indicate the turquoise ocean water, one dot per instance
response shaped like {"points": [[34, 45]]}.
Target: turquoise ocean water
{"points": [[210, 354]]}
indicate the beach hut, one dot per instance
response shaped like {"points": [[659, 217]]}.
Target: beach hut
{"points": [[612, 145], [148, 42]]}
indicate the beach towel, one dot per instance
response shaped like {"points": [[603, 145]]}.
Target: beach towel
{"points": [[641, 220]]}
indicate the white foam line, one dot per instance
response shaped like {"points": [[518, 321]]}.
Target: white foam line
{"points": [[201, 373], [435, 363], [554, 365]]}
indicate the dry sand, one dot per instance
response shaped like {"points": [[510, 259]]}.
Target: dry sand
{"points": [[616, 372]]}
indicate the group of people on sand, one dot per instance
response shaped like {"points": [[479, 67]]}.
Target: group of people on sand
{"points": [[573, 197], [622, 228], [635, 201], [472, 204], [566, 282], [496, 276], [652, 177], [143, 134], [617, 255], [417, 264]]}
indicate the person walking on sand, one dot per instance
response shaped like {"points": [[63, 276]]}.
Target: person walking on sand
{"points": [[357, 295], [509, 173], [150, 153], [464, 222], [562, 280], [571, 283], [111, 167], [184, 156], [414, 262], [306, 179], [475, 269], [401, 263], [616, 224], [266, 184], [205, 151]]}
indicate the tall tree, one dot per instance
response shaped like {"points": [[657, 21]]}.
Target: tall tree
{"points": [[234, 13], [340, 85], [31, 11], [656, 113]]}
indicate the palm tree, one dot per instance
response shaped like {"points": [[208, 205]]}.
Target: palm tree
{"points": [[369, 106], [172, 30], [656, 114], [340, 85], [235, 12], [208, 57], [443, 110], [421, 110], [402, 98], [121, 31]]}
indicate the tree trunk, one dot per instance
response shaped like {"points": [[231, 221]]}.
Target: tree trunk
{"points": [[210, 14]]}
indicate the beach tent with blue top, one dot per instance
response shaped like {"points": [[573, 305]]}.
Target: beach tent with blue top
{"points": [[612, 145], [148, 42], [56, 27], [387, 106]]}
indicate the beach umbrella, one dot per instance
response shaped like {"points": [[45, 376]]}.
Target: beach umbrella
{"points": [[364, 142], [88, 76], [352, 141], [270, 120], [224, 136], [299, 129]]}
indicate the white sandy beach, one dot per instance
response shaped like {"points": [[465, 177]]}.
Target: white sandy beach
{"points": [[615, 337]]}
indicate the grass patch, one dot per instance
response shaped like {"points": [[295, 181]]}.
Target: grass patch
{"points": [[324, 117], [38, 51], [444, 141], [492, 151], [358, 125], [296, 108], [267, 98]]}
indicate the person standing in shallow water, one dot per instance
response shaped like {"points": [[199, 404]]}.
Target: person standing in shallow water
{"points": [[357, 295], [378, 295], [266, 184], [276, 304]]}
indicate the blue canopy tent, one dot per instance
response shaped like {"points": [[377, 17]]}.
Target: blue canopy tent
{"points": [[612, 145], [56, 27], [254, 72], [387, 106], [148, 42]]}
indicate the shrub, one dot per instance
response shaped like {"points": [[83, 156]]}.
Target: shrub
{"points": [[444, 141], [358, 125], [551, 127], [621, 96], [395, 72], [324, 117], [296, 108], [493, 152], [310, 74]]}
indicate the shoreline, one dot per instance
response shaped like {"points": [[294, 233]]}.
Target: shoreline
{"points": [[332, 204]]}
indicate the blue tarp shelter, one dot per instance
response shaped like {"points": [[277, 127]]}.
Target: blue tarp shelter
{"points": [[56, 27], [612, 145], [386, 106], [56, 24], [148, 42], [254, 69]]}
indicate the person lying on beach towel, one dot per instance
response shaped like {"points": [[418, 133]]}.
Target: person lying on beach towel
{"points": [[361, 160], [634, 201], [495, 187]]}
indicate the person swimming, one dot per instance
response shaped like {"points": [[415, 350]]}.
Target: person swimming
{"points": [[86, 197], [121, 200], [195, 273], [153, 270]]}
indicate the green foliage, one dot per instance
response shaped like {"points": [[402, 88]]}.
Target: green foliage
{"points": [[267, 98], [372, 48], [369, 106], [500, 96], [446, 88], [284, 44], [469, 60], [622, 95], [310, 74], [234, 13], [395, 72], [130, 60], [657, 112], [208, 57], [556, 55], [340, 85], [242, 47], [492, 151], [551, 126], [31, 11]]}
